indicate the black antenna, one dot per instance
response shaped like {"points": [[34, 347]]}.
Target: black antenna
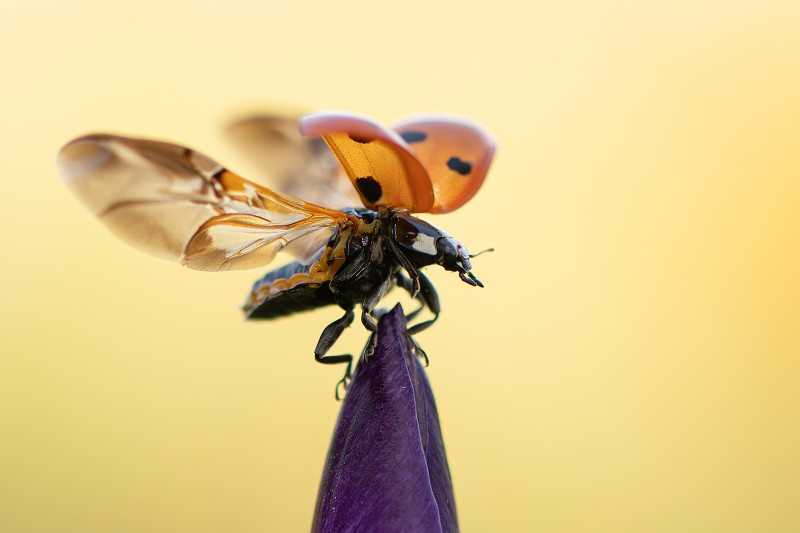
{"points": [[481, 252]]}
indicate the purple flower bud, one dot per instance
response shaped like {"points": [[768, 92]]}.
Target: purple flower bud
{"points": [[386, 468]]}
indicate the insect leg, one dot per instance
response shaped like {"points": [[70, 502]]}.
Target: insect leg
{"points": [[354, 268], [413, 273], [376, 253], [431, 299], [367, 306], [371, 302], [329, 336], [417, 349], [406, 284]]}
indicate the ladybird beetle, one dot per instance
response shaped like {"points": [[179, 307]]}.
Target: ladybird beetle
{"points": [[178, 204]]}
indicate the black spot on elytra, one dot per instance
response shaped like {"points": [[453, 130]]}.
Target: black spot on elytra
{"points": [[457, 165], [413, 136], [369, 188], [362, 140]]}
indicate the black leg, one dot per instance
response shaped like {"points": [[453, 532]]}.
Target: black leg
{"points": [[329, 336], [371, 302], [431, 299], [407, 285], [417, 349], [376, 253], [413, 273], [367, 306], [354, 268], [368, 321]]}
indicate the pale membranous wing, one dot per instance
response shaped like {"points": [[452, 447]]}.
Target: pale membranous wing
{"points": [[180, 205], [296, 165]]}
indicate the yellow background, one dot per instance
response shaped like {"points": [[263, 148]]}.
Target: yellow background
{"points": [[631, 365]]}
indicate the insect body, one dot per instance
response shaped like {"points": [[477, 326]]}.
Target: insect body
{"points": [[176, 203]]}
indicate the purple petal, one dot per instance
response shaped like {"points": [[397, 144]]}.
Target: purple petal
{"points": [[386, 468]]}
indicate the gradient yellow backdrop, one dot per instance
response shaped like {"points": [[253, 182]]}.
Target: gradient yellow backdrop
{"points": [[631, 366]]}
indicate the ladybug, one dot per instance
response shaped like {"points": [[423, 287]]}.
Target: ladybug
{"points": [[178, 204]]}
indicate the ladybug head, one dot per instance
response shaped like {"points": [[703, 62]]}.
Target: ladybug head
{"points": [[426, 244], [453, 256]]}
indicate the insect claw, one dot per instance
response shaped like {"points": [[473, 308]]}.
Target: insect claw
{"points": [[369, 349], [344, 383], [421, 353], [417, 349], [415, 287]]}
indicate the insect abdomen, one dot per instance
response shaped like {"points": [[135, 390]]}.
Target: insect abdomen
{"points": [[289, 289]]}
